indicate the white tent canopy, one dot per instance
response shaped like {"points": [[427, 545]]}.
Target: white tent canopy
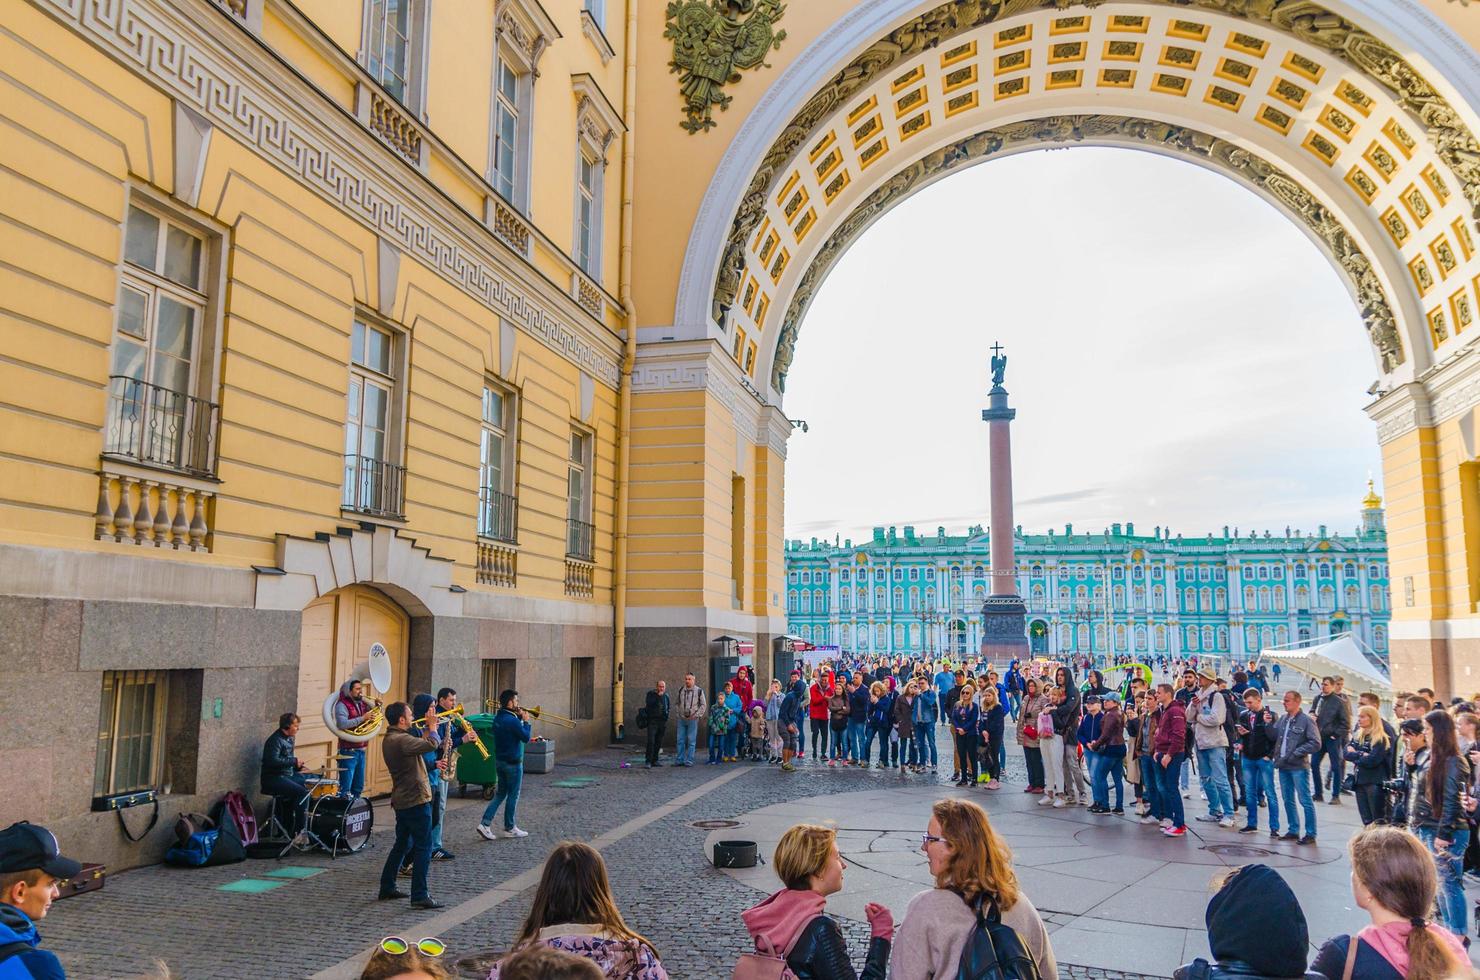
{"points": [[1343, 655]]}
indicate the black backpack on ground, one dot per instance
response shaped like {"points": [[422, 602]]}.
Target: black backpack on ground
{"points": [[994, 951]]}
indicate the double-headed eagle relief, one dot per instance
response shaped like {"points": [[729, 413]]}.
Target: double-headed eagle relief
{"points": [[713, 41]]}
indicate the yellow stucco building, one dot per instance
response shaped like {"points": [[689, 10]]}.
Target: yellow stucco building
{"points": [[463, 325]]}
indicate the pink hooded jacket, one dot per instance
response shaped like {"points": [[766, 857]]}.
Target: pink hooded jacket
{"points": [[781, 918], [1391, 941]]}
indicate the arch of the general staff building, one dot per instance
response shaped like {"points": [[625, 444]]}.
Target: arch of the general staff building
{"points": [[1357, 119]]}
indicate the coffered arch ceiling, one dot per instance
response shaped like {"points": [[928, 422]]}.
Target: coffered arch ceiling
{"points": [[1317, 115]]}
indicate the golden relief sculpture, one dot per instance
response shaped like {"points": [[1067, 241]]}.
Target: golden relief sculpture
{"points": [[1305, 19], [1372, 301], [713, 42]]}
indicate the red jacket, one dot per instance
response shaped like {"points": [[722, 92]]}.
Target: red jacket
{"points": [[1171, 730], [818, 706], [744, 688]]}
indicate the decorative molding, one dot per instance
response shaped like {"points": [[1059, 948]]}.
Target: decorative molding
{"points": [[370, 554], [597, 37], [527, 30], [597, 120], [712, 45], [1400, 411], [396, 128], [152, 40], [1454, 386], [699, 366], [1303, 19], [1235, 161]]}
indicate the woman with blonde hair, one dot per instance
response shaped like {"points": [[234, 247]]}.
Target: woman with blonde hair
{"points": [[965, 720], [1369, 752], [972, 867], [573, 911], [1394, 882], [792, 923]]}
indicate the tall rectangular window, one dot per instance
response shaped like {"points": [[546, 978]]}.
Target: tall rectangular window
{"points": [[498, 677], [587, 217], [130, 749], [578, 493], [157, 344], [582, 688], [737, 542], [372, 481], [388, 45], [497, 505], [506, 130]]}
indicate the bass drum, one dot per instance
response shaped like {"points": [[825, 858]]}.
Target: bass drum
{"points": [[341, 822]]}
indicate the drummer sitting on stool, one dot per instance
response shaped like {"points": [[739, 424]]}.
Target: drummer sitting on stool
{"points": [[280, 769]]}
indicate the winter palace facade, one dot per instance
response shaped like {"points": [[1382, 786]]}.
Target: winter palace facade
{"points": [[1226, 595]]}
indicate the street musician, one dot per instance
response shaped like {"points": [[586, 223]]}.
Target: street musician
{"points": [[441, 763], [281, 772]]}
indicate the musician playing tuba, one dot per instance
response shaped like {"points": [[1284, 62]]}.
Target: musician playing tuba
{"points": [[349, 711]]}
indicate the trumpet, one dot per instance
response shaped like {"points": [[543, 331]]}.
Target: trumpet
{"points": [[537, 713], [459, 715]]}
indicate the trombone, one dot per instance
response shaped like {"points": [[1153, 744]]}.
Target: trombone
{"points": [[538, 713]]}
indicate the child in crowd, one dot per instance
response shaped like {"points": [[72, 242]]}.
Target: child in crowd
{"points": [[758, 742]]}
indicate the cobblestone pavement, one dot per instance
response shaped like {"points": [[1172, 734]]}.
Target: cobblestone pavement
{"points": [[662, 884]]}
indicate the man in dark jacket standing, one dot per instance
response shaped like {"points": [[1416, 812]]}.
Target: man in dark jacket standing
{"points": [[1296, 739], [1256, 735], [510, 735], [1333, 717], [657, 720], [1169, 751], [30, 868]]}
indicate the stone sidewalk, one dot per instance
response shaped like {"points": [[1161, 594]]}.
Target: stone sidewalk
{"points": [[644, 822]]}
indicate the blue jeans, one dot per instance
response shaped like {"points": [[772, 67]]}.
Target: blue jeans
{"points": [[1450, 865], [1102, 767], [1014, 703], [854, 736], [716, 743], [687, 738], [1168, 792], [1296, 783], [870, 734], [413, 840], [729, 743], [439, 807], [352, 773], [1151, 786], [838, 749], [925, 742], [1259, 779], [510, 775], [1212, 771], [1332, 749]]}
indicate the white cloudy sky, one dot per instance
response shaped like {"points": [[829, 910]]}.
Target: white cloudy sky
{"points": [[1180, 355]]}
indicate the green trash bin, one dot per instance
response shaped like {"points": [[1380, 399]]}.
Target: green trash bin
{"points": [[472, 768]]}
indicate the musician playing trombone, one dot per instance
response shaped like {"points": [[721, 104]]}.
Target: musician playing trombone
{"points": [[510, 734]]}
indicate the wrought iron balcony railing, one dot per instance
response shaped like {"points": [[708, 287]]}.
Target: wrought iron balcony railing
{"points": [[498, 515], [578, 536], [373, 486], [159, 427]]}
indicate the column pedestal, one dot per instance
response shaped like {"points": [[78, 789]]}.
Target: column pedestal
{"points": [[1004, 628]]}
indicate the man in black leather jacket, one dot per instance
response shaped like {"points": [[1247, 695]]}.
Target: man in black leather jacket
{"points": [[280, 769]]}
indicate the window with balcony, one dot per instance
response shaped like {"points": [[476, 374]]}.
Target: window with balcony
{"points": [[498, 507], [579, 530], [394, 40], [509, 139], [159, 362], [373, 482]]}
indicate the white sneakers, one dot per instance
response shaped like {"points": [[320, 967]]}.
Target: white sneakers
{"points": [[1226, 823], [1047, 800], [486, 832], [1059, 804], [1149, 819]]}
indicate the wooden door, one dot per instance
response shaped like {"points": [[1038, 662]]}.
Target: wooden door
{"points": [[338, 630]]}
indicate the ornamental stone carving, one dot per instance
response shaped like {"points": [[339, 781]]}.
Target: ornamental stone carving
{"points": [[713, 41], [1455, 144], [1376, 311]]}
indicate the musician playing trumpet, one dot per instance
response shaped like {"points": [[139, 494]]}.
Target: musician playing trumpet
{"points": [[441, 763], [348, 713]]}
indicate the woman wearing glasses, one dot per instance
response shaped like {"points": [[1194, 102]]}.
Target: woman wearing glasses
{"points": [[573, 911], [972, 866]]}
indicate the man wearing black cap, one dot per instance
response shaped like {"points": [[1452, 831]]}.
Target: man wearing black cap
{"points": [[30, 869]]}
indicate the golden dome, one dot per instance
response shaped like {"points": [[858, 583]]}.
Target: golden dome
{"points": [[1372, 501]]}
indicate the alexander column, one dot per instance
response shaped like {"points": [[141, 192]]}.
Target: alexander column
{"points": [[1004, 616]]}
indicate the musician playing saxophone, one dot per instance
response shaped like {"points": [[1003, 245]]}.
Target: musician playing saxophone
{"points": [[348, 711], [449, 735]]}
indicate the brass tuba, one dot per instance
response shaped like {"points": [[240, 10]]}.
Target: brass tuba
{"points": [[377, 670]]}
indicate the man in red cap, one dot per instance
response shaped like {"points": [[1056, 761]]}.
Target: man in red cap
{"points": [[31, 870]]}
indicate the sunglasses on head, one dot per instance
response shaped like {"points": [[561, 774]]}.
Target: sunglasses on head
{"points": [[430, 946]]}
